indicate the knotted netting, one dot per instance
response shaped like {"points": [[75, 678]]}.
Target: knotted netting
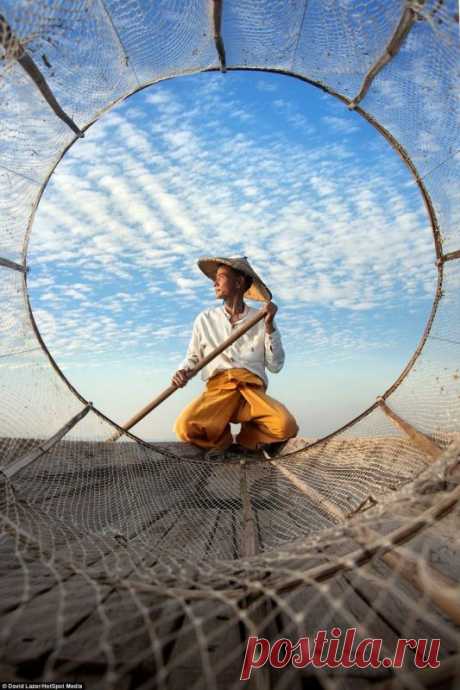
{"points": [[136, 565]]}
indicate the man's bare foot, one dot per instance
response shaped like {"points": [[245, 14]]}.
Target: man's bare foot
{"points": [[239, 449], [233, 452], [271, 450]]}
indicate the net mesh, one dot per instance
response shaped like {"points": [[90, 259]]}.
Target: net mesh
{"points": [[135, 565]]}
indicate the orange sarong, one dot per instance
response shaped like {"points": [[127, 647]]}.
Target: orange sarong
{"points": [[238, 396]]}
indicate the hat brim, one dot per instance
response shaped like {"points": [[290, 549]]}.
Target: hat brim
{"points": [[258, 290]]}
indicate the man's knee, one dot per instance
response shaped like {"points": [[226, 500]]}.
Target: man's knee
{"points": [[181, 426], [186, 423], [287, 426], [190, 428]]}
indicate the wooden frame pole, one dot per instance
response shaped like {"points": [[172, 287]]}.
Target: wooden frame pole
{"points": [[419, 439], [408, 18], [7, 263], [44, 447], [451, 256], [14, 48], [218, 40]]}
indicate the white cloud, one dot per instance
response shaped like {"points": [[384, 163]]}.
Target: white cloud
{"points": [[267, 86], [343, 124]]}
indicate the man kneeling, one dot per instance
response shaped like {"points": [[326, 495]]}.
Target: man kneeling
{"points": [[236, 379]]}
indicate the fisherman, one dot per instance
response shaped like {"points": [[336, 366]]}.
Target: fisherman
{"points": [[236, 379]]}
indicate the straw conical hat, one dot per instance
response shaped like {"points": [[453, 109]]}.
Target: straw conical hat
{"points": [[258, 290]]}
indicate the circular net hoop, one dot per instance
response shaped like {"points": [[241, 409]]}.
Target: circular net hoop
{"points": [[131, 565]]}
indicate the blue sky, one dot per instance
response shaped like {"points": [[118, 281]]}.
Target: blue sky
{"points": [[236, 164]]}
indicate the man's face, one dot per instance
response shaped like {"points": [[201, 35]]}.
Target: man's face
{"points": [[227, 283]]}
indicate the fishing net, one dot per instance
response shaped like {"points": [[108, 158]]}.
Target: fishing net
{"points": [[134, 565]]}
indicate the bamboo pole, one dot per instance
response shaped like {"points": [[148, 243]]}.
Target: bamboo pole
{"points": [[7, 263], [432, 583], [29, 66], [14, 48], [327, 507], [421, 440], [428, 580], [248, 545], [218, 40], [255, 605], [44, 447], [202, 363], [451, 256], [408, 18]]}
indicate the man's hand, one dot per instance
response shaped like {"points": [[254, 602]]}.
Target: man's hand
{"points": [[271, 310], [180, 378]]}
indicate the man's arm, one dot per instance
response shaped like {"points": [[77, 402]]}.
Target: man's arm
{"points": [[192, 358], [274, 353]]}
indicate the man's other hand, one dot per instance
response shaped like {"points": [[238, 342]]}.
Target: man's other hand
{"points": [[180, 378], [271, 310]]}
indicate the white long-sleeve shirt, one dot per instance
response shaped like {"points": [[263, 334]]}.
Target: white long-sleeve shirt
{"points": [[254, 350]]}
